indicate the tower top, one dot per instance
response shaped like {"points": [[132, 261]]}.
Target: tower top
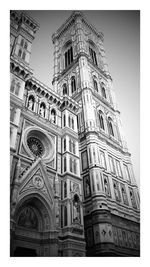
{"points": [[70, 21]]}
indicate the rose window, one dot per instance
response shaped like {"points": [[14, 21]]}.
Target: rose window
{"points": [[37, 143], [35, 146]]}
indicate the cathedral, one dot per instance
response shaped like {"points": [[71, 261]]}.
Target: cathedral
{"points": [[72, 188]]}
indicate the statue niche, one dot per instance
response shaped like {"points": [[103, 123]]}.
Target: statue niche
{"points": [[31, 102], [76, 210]]}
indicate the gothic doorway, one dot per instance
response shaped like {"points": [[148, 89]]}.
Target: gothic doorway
{"points": [[34, 228]]}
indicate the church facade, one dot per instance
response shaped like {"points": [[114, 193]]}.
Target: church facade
{"points": [[73, 190]]}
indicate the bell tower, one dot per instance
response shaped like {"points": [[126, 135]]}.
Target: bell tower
{"points": [[111, 198]]}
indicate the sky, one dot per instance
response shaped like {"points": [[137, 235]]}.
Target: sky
{"points": [[121, 31]]}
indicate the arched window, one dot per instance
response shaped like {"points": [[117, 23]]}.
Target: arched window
{"points": [[64, 118], [42, 109], [23, 55], [110, 126], [22, 42], [101, 120], [69, 121], [31, 101], [73, 85], [70, 161], [12, 88], [65, 189], [65, 144], [19, 53], [64, 89], [53, 115], [72, 123], [68, 56], [103, 90], [93, 55], [95, 85], [65, 164]]}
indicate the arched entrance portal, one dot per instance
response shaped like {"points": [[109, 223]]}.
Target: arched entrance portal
{"points": [[34, 233]]}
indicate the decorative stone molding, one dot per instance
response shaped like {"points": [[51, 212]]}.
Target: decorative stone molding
{"points": [[46, 144]]}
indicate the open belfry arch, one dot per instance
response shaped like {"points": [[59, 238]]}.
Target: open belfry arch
{"points": [[73, 191]]}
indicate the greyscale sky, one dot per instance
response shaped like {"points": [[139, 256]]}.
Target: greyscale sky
{"points": [[121, 31]]}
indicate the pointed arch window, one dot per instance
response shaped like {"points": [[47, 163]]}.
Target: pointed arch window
{"points": [[95, 85], [93, 55], [65, 144], [64, 89], [69, 121], [64, 119], [101, 120], [68, 57], [71, 169], [65, 164], [110, 126], [73, 84], [65, 189], [53, 115], [103, 90], [72, 123]]}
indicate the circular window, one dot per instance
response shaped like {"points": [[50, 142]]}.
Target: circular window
{"points": [[35, 146], [38, 143]]}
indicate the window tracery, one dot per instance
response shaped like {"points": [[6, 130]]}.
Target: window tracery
{"points": [[68, 54], [35, 146]]}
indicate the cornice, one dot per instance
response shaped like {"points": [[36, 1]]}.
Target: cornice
{"points": [[71, 20], [21, 16], [20, 69]]}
